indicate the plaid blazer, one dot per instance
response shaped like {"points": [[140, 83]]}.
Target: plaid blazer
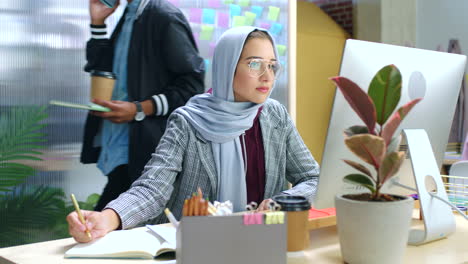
{"points": [[183, 161]]}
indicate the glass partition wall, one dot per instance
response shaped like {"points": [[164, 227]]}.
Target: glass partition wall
{"points": [[42, 51]]}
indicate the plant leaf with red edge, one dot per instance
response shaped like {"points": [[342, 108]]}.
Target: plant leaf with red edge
{"points": [[390, 165], [395, 120], [358, 100], [358, 167], [369, 148]]}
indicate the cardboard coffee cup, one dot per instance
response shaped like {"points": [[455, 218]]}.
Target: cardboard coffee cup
{"points": [[102, 85], [297, 212]]}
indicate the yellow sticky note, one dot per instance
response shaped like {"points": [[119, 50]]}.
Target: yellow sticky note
{"points": [[249, 18], [273, 218], [244, 2], [238, 21], [273, 13], [206, 32], [281, 49]]}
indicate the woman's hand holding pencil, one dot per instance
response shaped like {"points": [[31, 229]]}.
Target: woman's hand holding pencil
{"points": [[98, 224]]}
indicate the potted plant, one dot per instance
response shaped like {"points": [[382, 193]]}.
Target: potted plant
{"points": [[373, 226]]}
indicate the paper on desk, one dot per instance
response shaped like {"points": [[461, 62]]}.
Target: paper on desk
{"points": [[168, 233]]}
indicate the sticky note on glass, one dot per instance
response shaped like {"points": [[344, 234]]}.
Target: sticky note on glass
{"points": [[265, 25], [174, 2], [206, 32], [257, 10], [208, 16], [244, 2], [238, 21], [249, 18], [235, 10], [273, 13], [223, 20], [281, 49], [195, 15], [276, 29], [207, 64], [227, 2], [214, 3]]}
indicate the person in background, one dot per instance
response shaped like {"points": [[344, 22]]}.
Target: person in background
{"points": [[235, 144], [154, 56]]}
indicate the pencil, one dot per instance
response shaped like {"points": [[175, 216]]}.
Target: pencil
{"points": [[185, 208], [196, 210], [171, 217], [80, 215]]}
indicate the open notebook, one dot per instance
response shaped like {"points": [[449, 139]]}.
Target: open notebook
{"points": [[142, 243]]}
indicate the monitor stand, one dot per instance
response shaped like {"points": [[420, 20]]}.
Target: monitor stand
{"points": [[439, 221]]}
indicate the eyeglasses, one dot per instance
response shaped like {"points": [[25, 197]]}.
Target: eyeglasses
{"points": [[258, 67]]}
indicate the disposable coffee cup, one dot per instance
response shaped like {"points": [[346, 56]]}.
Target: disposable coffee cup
{"points": [[297, 212], [102, 85]]}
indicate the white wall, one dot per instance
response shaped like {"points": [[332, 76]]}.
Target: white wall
{"points": [[441, 20], [366, 20]]}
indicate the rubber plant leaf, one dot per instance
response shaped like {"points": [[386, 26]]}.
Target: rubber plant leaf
{"points": [[369, 148], [359, 167], [359, 101], [354, 130], [395, 120], [385, 91], [390, 165], [360, 179]]}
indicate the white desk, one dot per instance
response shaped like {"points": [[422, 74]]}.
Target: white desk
{"points": [[324, 249]]}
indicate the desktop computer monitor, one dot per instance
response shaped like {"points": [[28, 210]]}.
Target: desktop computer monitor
{"points": [[435, 76]]}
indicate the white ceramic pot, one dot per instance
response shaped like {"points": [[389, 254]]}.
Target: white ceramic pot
{"points": [[373, 232]]}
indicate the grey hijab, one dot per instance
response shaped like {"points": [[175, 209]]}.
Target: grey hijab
{"points": [[222, 121]]}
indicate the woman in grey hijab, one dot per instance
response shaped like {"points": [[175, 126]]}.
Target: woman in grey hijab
{"points": [[235, 144]]}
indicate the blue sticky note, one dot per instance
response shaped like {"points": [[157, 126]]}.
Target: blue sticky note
{"points": [[208, 16], [257, 10], [207, 64], [275, 29], [235, 10]]}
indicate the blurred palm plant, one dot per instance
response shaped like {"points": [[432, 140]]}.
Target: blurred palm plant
{"points": [[28, 213]]}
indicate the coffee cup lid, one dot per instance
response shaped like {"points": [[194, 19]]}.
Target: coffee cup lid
{"points": [[104, 74], [292, 202]]}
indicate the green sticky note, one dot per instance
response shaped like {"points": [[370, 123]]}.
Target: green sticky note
{"points": [[227, 2], [238, 21], [273, 13], [249, 18], [244, 2], [206, 32], [281, 49]]}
